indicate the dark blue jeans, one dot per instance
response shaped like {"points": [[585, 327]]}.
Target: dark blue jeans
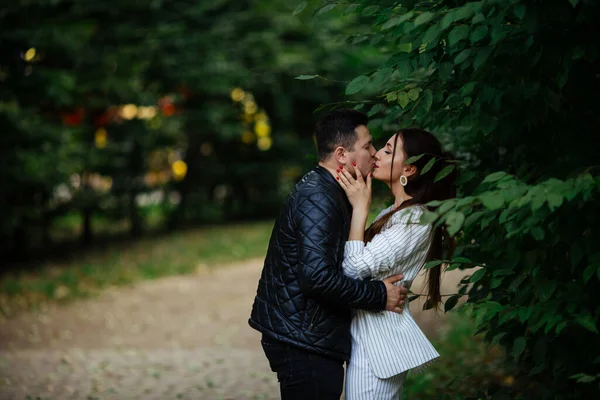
{"points": [[303, 374]]}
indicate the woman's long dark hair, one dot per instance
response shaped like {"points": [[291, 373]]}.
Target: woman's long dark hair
{"points": [[423, 189]]}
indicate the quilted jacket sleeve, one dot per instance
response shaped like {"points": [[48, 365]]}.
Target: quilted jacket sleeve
{"points": [[318, 229]]}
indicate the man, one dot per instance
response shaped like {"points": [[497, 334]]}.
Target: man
{"points": [[304, 301]]}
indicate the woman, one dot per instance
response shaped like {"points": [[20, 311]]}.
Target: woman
{"points": [[386, 345]]}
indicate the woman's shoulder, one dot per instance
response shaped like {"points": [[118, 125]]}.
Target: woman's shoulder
{"points": [[383, 212]]}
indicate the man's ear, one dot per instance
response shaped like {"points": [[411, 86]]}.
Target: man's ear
{"points": [[339, 154], [409, 170]]}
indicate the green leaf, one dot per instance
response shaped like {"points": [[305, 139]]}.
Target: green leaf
{"points": [[411, 298], [478, 33], [462, 260], [472, 218], [405, 68], [300, 8], [496, 339], [451, 303], [478, 18], [492, 200], [464, 12], [391, 97], [368, 11], [413, 159], [444, 172], [457, 34], [587, 379], [589, 272], [498, 32], [306, 77], [487, 220], [545, 290], [574, 2], [482, 55], [518, 347], [326, 8], [431, 34], [538, 233], [433, 264], [448, 19], [405, 47], [454, 221], [403, 99], [525, 313], [390, 23], [477, 275], [381, 76], [520, 10], [587, 322], [428, 166], [468, 88], [446, 206], [428, 217], [554, 200], [462, 56], [551, 322], [423, 18], [428, 99], [413, 94], [559, 328], [377, 108], [357, 84], [494, 177]]}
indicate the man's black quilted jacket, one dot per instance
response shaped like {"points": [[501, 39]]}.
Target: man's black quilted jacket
{"points": [[303, 297]]}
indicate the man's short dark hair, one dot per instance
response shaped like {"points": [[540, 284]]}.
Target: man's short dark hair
{"points": [[338, 129]]}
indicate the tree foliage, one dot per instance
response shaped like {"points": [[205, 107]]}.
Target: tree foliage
{"points": [[510, 87], [189, 104]]}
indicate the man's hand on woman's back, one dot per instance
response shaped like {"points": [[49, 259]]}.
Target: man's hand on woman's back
{"points": [[396, 295]]}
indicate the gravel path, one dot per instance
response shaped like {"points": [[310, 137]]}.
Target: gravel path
{"points": [[183, 337]]}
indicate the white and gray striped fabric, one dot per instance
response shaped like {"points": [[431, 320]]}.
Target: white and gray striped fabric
{"points": [[387, 344], [361, 384]]}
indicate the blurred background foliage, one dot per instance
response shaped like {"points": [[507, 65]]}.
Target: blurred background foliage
{"points": [[136, 116]]}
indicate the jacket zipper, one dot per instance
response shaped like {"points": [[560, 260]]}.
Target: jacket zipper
{"points": [[314, 317]]}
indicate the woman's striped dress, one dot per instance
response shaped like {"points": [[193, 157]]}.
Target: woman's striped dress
{"points": [[386, 345]]}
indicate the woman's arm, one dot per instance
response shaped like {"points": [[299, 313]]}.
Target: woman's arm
{"points": [[359, 194], [394, 245]]}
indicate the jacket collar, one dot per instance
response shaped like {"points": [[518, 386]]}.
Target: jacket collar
{"points": [[327, 179]]}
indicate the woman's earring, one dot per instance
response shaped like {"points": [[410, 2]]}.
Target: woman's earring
{"points": [[403, 180]]}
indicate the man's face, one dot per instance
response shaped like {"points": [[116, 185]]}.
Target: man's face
{"points": [[363, 152]]}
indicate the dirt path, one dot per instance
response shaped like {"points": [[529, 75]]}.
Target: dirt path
{"points": [[182, 337]]}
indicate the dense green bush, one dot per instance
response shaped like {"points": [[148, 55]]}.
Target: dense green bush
{"points": [[511, 87]]}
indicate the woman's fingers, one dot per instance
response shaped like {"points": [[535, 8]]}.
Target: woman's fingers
{"points": [[342, 184], [359, 176], [344, 178], [348, 177]]}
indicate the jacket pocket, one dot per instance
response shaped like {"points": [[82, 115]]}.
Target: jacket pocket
{"points": [[314, 318]]}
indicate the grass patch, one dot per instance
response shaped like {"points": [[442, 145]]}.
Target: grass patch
{"points": [[148, 258], [468, 368]]}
